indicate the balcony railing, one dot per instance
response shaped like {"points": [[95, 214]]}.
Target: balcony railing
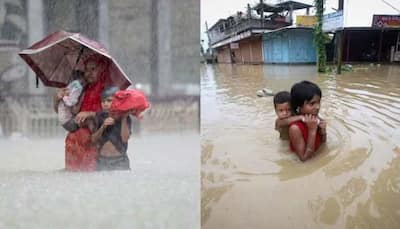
{"points": [[243, 25]]}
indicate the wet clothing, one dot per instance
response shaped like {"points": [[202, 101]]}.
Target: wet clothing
{"points": [[112, 163], [91, 100], [112, 134], [70, 125], [304, 131], [80, 153]]}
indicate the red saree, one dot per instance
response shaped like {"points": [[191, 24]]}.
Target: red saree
{"points": [[80, 153]]}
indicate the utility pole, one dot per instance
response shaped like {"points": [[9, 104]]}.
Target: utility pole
{"points": [[387, 3], [248, 11], [291, 13], [154, 78], [209, 40], [319, 36], [339, 43]]}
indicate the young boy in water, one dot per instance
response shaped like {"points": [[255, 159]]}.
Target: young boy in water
{"points": [[110, 134], [284, 112], [113, 127]]}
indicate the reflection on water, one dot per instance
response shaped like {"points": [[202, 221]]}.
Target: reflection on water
{"points": [[251, 180], [382, 209], [351, 161], [159, 192]]}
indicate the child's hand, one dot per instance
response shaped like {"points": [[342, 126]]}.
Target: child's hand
{"points": [[61, 93], [311, 121], [108, 121]]}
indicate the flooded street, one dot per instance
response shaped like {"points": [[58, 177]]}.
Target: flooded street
{"points": [[251, 180], [156, 193]]}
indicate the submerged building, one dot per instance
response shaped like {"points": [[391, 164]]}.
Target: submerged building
{"points": [[239, 38], [368, 44]]}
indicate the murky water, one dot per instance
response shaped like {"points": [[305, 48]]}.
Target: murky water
{"points": [[251, 180], [161, 191]]}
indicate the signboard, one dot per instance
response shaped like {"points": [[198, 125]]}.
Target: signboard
{"points": [[234, 45], [306, 20], [332, 21], [386, 21]]}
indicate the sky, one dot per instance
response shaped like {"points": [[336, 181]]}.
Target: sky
{"points": [[356, 12]]}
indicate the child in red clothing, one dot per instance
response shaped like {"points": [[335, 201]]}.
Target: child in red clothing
{"points": [[305, 136]]}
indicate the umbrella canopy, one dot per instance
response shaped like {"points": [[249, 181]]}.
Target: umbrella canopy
{"points": [[55, 57]]}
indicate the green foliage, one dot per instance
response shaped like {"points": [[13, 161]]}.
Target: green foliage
{"points": [[320, 38]]}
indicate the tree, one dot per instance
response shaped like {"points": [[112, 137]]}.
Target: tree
{"points": [[319, 36]]}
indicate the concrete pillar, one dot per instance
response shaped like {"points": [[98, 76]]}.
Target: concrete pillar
{"points": [[164, 46], [154, 54], [251, 51], [35, 21], [103, 23]]}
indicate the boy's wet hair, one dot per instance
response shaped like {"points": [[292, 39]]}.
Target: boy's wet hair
{"points": [[108, 91], [281, 97], [302, 92]]}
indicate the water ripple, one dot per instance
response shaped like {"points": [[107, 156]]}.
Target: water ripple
{"points": [[362, 109]]}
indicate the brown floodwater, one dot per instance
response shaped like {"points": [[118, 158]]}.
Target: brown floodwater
{"points": [[251, 180]]}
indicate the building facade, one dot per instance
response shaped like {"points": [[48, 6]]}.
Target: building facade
{"points": [[238, 38]]}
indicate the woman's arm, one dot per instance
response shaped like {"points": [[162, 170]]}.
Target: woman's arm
{"points": [[81, 117], [91, 124], [76, 108]]}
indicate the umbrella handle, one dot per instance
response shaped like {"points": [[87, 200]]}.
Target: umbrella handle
{"points": [[77, 59], [79, 55]]}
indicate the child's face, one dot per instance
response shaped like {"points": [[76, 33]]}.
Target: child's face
{"points": [[106, 103], [282, 110], [312, 106]]}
